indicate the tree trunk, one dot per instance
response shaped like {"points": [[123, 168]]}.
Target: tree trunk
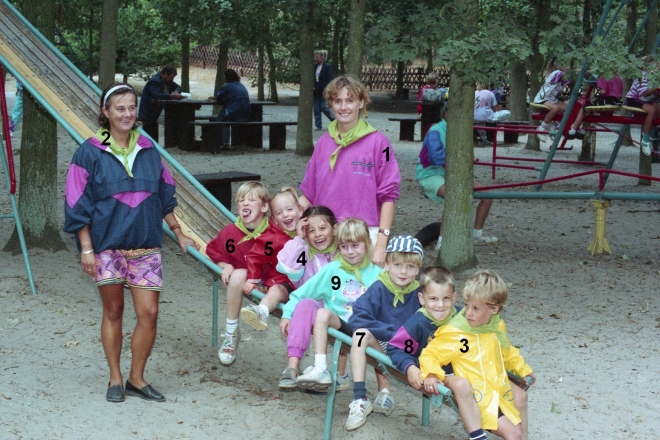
{"points": [[185, 62], [457, 252], [272, 72], [221, 66], [536, 63], [90, 49], [631, 27], [651, 28], [39, 201], [304, 138], [400, 92], [356, 37], [589, 142], [429, 59], [588, 151], [260, 73], [518, 97], [334, 55], [645, 164], [108, 51]]}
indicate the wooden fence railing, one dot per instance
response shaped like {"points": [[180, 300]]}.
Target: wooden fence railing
{"points": [[375, 78]]}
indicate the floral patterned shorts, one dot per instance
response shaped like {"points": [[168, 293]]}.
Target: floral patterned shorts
{"points": [[141, 268]]}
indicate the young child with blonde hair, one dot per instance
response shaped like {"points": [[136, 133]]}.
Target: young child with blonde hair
{"points": [[262, 258], [339, 284], [477, 346], [229, 250]]}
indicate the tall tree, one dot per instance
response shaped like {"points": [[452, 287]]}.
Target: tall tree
{"points": [[108, 52], [304, 139], [356, 37], [457, 252], [39, 200]]}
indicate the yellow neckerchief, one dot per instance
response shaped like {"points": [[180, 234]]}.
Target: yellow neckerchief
{"points": [[355, 270], [103, 135], [261, 227], [426, 313], [460, 322], [360, 130], [397, 291], [311, 251]]}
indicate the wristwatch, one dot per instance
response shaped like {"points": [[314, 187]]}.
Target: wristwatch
{"points": [[385, 232]]}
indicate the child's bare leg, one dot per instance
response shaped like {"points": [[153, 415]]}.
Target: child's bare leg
{"points": [[520, 402], [507, 430], [362, 338], [482, 210], [578, 120], [467, 406], [227, 350], [650, 114], [235, 293], [555, 108], [275, 295]]}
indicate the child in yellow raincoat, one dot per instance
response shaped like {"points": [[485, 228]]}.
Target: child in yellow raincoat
{"points": [[476, 345]]}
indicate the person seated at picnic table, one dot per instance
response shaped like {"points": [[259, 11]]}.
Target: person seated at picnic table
{"points": [[485, 110], [430, 173], [161, 86], [234, 97]]}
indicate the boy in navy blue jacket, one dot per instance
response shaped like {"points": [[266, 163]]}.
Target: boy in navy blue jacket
{"points": [[437, 296], [377, 315]]}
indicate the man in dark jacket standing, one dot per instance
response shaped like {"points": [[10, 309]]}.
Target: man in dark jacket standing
{"points": [[161, 86], [322, 76]]}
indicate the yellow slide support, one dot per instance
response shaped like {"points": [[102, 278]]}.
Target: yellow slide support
{"points": [[599, 243]]}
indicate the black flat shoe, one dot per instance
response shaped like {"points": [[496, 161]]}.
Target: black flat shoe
{"points": [[115, 393], [146, 393]]}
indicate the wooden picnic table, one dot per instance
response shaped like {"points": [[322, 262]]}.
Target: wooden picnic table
{"points": [[178, 114]]}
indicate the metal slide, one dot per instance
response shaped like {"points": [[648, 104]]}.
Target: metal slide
{"points": [[73, 100]]}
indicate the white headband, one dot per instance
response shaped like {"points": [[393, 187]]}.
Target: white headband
{"points": [[113, 90]]}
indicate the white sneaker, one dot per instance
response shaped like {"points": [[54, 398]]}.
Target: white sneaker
{"points": [[358, 411], [254, 317], [485, 239], [314, 379], [646, 147], [227, 351], [384, 404], [438, 245], [343, 382]]}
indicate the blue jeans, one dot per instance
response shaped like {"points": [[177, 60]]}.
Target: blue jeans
{"points": [[321, 107], [231, 117]]}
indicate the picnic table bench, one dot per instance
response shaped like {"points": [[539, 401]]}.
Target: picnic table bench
{"points": [[407, 127], [219, 184], [243, 132]]}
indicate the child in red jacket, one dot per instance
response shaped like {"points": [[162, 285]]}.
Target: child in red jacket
{"points": [[262, 258], [229, 251]]}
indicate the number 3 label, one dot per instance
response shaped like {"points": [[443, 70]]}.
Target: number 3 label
{"points": [[465, 348]]}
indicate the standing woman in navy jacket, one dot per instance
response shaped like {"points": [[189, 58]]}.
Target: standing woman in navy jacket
{"points": [[322, 77], [118, 192]]}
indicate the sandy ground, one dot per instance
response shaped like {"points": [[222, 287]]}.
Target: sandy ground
{"points": [[587, 325]]}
